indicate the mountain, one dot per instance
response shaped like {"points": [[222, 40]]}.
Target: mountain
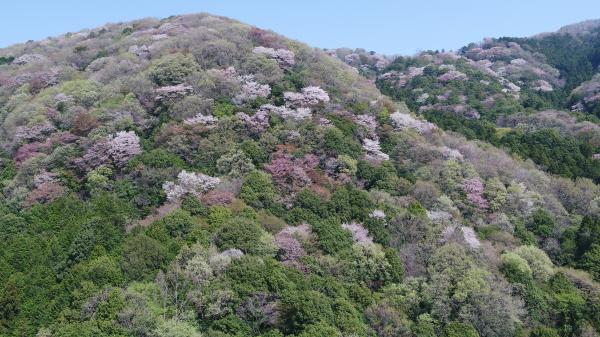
{"points": [[536, 97], [196, 176]]}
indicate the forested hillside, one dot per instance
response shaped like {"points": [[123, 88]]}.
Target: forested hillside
{"points": [[196, 176], [536, 97]]}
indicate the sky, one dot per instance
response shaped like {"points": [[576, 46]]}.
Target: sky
{"points": [[384, 26]]}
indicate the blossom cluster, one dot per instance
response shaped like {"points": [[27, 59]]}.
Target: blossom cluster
{"points": [[373, 149], [360, 234], [309, 97], [284, 57], [474, 189], [189, 183], [123, 146], [285, 112], [251, 90], [200, 119], [256, 123], [173, 91], [403, 121], [115, 150]]}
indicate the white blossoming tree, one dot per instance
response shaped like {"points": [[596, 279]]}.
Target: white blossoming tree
{"points": [[284, 57], [189, 183], [123, 146]]}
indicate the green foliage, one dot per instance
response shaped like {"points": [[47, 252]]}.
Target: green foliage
{"points": [[178, 223], [176, 328], [194, 206], [587, 235], [258, 190], [457, 329], [158, 158], [472, 129], [304, 309], [543, 331], [336, 141], [540, 264], [6, 59], [142, 256], [223, 109], [320, 329], [332, 237], [425, 326], [235, 164], [383, 177], [515, 268], [591, 261], [255, 152], [8, 169], [244, 234], [84, 92], [173, 69], [349, 203], [541, 223], [545, 145]]}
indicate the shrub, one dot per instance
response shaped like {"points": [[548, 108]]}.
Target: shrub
{"points": [[541, 223], [142, 256], [306, 308], [223, 109], [193, 206], [538, 261], [457, 329], [349, 203], [515, 268], [246, 235], [543, 331], [333, 238], [178, 223], [173, 69], [339, 143], [258, 190]]}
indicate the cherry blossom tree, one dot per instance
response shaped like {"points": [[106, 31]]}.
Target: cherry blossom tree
{"points": [[200, 119], [373, 149], [405, 121], [36, 132], [360, 235], [368, 121], [256, 123], [44, 192], [285, 112], [116, 149], [474, 189], [289, 241], [290, 248], [250, 91], [27, 151], [309, 97], [284, 57], [123, 146], [189, 183], [377, 214], [173, 91], [288, 173]]}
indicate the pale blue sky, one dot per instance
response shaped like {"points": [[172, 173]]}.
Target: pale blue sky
{"points": [[393, 27]]}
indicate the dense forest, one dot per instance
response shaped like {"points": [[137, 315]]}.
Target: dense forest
{"points": [[196, 176]]}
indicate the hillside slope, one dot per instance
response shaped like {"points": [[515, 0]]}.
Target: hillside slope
{"points": [[195, 176], [535, 96]]}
